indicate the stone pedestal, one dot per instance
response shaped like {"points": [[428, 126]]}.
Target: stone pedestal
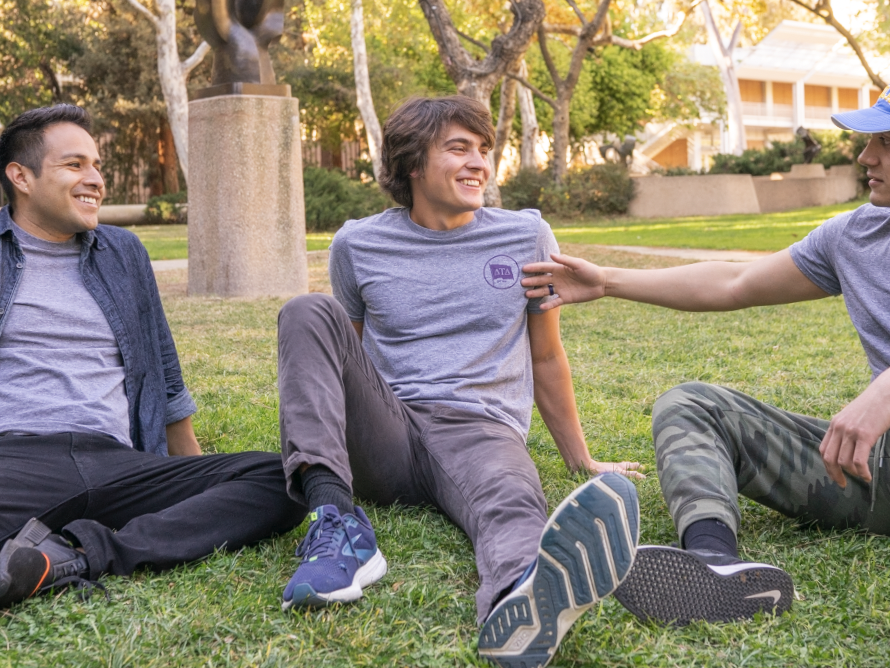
{"points": [[247, 224]]}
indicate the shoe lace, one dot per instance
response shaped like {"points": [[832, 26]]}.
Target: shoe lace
{"points": [[83, 587], [320, 540]]}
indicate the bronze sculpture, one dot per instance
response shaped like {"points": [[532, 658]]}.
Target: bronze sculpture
{"points": [[811, 146], [240, 32]]}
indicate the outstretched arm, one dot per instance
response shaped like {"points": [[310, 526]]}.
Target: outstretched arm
{"points": [[704, 286], [555, 397]]}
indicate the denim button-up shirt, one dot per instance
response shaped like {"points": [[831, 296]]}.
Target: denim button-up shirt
{"points": [[117, 273]]}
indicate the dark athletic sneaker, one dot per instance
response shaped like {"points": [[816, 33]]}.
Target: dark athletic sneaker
{"points": [[677, 587], [586, 550], [37, 561], [340, 558]]}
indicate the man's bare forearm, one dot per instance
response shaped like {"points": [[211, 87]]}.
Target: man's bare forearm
{"points": [[181, 438], [714, 286], [555, 399]]}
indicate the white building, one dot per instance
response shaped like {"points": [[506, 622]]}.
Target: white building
{"points": [[797, 76]]}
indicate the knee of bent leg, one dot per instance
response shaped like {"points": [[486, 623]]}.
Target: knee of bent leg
{"points": [[307, 310], [674, 400]]}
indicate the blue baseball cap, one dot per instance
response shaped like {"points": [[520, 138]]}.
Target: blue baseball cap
{"points": [[873, 119]]}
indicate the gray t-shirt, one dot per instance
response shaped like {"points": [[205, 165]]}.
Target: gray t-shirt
{"points": [[445, 317], [850, 255], [60, 366]]}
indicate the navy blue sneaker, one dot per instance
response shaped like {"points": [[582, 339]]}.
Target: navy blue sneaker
{"points": [[340, 558], [586, 550]]}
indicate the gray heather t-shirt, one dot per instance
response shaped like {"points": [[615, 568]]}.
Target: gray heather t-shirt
{"points": [[445, 317], [850, 255], [60, 366]]}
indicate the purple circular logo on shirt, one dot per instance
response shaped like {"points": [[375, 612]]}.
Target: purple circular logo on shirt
{"points": [[501, 272]]}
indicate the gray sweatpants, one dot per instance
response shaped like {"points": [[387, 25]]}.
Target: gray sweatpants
{"points": [[337, 411]]}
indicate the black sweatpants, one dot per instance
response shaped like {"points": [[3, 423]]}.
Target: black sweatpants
{"points": [[130, 509]]}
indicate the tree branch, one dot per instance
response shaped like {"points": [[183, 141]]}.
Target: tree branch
{"points": [[472, 41], [548, 59], [578, 12], [138, 6], [823, 10], [637, 44], [534, 89], [195, 59], [561, 29]]}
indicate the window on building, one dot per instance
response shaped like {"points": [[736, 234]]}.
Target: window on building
{"points": [[752, 91], [783, 97], [847, 99], [873, 96]]}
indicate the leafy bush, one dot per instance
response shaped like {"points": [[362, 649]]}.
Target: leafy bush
{"points": [[332, 198], [838, 148], [596, 190], [170, 209], [760, 161], [675, 171], [523, 191]]}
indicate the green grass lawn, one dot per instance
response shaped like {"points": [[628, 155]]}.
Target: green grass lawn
{"points": [[225, 610], [170, 242], [762, 232]]}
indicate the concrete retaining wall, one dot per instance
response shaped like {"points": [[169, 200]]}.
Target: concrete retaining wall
{"points": [[707, 195], [838, 185], [722, 194], [122, 214]]}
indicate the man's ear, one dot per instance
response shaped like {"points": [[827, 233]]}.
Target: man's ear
{"points": [[20, 176]]}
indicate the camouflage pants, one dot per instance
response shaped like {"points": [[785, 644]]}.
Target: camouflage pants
{"points": [[713, 443]]}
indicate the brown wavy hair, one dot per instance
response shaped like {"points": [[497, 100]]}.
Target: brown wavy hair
{"points": [[414, 127]]}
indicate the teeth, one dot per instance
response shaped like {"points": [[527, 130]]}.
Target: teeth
{"points": [[469, 182], [88, 200]]}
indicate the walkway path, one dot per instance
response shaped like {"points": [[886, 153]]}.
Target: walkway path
{"points": [[685, 253]]}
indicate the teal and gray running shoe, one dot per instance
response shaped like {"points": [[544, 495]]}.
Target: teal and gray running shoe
{"points": [[586, 550]]}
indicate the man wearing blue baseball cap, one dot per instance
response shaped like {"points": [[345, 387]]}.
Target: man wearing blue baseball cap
{"points": [[713, 443]]}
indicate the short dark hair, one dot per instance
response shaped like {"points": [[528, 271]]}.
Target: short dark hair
{"points": [[414, 127], [22, 140]]}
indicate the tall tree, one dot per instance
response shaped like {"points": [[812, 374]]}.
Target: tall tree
{"points": [[593, 32], [478, 78], [723, 53], [363, 95], [823, 9], [37, 38], [172, 72], [529, 139]]}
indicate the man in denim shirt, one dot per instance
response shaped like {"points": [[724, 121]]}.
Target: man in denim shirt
{"points": [[91, 392]]}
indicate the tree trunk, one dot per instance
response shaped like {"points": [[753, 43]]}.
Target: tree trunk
{"points": [[363, 88], [173, 81], [167, 158], [477, 78], [559, 160], [527, 157], [723, 54], [505, 119]]}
